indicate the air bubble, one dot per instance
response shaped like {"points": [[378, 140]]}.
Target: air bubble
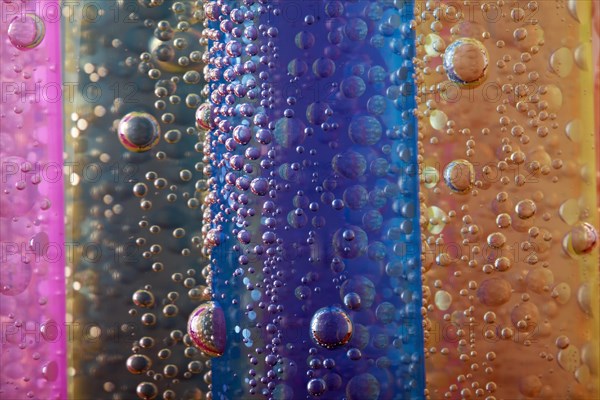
{"points": [[331, 327], [139, 132], [459, 176], [466, 62], [206, 327], [27, 31]]}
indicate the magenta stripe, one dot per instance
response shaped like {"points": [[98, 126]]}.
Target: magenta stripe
{"points": [[32, 273]]}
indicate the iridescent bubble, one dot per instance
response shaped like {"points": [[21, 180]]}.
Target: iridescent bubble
{"points": [[331, 327], [385, 312], [204, 117], [376, 105], [297, 67], [289, 132], [372, 220], [365, 130], [206, 327], [363, 387], [466, 62], [242, 134], [139, 132], [356, 29], [356, 197], [259, 186], [377, 74], [353, 87], [334, 9], [349, 164], [317, 113], [26, 31], [233, 48], [459, 176], [323, 67], [304, 40]]}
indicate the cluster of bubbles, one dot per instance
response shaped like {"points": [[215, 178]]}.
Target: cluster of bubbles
{"points": [[307, 220], [508, 251], [137, 188], [32, 288]]}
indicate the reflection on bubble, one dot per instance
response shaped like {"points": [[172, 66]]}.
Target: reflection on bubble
{"points": [[27, 31], [466, 62], [206, 327], [139, 132], [331, 327]]}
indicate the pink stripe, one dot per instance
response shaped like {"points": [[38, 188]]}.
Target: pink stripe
{"points": [[32, 278]]}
